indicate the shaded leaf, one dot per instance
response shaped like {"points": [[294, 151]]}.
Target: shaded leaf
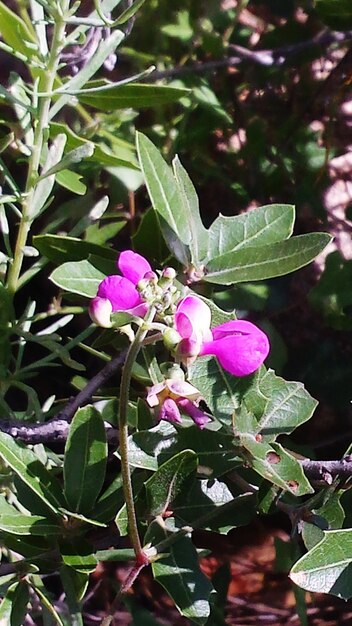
{"points": [[85, 459], [133, 96], [180, 575], [168, 480], [31, 471], [61, 249]]}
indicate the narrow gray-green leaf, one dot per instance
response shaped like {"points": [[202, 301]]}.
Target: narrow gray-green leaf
{"points": [[45, 184], [78, 277], [267, 261], [31, 471], [74, 156], [85, 459], [106, 47], [135, 96], [129, 12], [327, 567], [165, 197], [259, 227], [199, 236]]}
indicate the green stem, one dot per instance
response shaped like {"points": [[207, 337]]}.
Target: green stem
{"points": [[131, 356], [40, 137]]}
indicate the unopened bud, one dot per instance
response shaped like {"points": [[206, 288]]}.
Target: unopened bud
{"points": [[151, 276], [171, 338], [169, 273], [100, 310]]}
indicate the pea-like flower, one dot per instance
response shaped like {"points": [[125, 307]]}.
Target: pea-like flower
{"points": [[240, 346], [119, 293], [171, 395]]}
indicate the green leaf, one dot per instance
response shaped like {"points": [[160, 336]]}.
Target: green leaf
{"points": [[59, 249], [18, 524], [99, 156], [16, 33], [166, 198], [46, 602], [129, 12], [105, 48], [78, 555], [199, 237], [74, 156], [13, 607], [85, 459], [110, 501], [267, 261], [180, 575], [280, 406], [212, 500], [276, 464], [329, 516], [163, 487], [133, 96], [31, 471], [78, 277], [259, 227], [75, 582], [149, 449], [222, 391], [71, 181], [327, 567], [148, 239]]}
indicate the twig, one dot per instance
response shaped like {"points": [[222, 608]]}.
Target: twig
{"points": [[52, 431], [326, 471], [56, 429], [89, 390], [268, 57]]}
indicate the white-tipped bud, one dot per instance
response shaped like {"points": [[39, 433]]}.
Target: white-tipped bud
{"points": [[100, 310], [169, 273]]}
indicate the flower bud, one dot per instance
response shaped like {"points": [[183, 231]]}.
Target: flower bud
{"points": [[169, 273], [100, 310], [171, 338]]}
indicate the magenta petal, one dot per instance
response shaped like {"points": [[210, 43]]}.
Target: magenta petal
{"points": [[199, 417], [192, 319], [240, 347], [170, 411], [121, 292], [133, 266]]}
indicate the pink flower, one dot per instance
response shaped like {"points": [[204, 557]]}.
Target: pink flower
{"points": [[119, 293], [171, 395], [240, 346]]}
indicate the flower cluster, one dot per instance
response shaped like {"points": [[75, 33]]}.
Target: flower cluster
{"points": [[240, 346], [119, 293]]}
